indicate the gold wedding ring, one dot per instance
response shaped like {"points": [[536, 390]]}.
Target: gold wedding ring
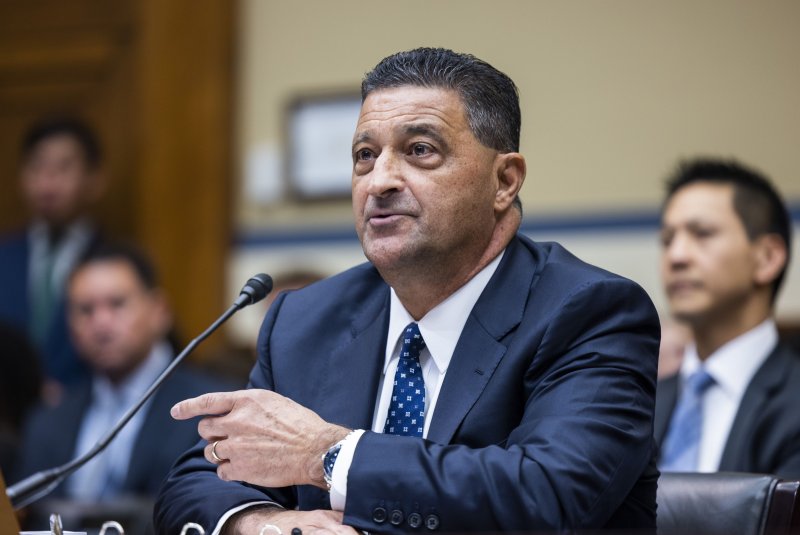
{"points": [[214, 455]]}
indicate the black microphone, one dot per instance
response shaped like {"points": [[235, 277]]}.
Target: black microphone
{"points": [[42, 483], [254, 290]]}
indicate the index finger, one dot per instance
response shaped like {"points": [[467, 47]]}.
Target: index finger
{"points": [[212, 404]]}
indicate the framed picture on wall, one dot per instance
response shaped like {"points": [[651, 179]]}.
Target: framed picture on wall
{"points": [[319, 139]]}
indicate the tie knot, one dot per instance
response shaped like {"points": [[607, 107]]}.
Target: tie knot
{"points": [[699, 381], [413, 343]]}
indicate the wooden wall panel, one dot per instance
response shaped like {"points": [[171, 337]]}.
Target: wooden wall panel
{"points": [[184, 198], [154, 79], [59, 60]]}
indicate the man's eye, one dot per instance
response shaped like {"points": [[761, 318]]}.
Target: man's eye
{"points": [[420, 149], [702, 233], [363, 155]]}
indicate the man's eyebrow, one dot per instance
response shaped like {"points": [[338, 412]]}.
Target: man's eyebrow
{"points": [[419, 129], [424, 129], [361, 138]]}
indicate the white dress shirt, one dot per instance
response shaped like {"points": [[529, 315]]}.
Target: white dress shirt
{"points": [[102, 477], [66, 253], [732, 366], [441, 329]]}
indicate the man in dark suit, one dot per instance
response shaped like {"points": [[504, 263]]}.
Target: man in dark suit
{"points": [[465, 378], [726, 245], [59, 178], [119, 319]]}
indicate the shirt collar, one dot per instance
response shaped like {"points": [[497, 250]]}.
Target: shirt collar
{"points": [[78, 231], [441, 327], [735, 363], [133, 386]]}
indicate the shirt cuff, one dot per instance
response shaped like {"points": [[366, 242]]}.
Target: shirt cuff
{"points": [[341, 468], [231, 512]]}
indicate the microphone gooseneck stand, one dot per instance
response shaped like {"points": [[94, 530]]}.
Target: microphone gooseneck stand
{"points": [[40, 484]]}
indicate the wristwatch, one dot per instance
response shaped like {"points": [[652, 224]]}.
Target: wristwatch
{"points": [[328, 461]]}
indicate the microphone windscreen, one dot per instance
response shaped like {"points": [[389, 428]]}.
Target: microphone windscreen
{"points": [[258, 287]]}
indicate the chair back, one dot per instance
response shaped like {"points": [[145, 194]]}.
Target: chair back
{"points": [[726, 503]]}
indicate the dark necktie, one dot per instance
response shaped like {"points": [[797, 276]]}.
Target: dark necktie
{"points": [[43, 299], [682, 442], [407, 408]]}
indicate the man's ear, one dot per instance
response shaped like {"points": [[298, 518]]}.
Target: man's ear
{"points": [[511, 170], [771, 257]]}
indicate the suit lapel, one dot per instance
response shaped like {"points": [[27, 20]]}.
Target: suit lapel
{"points": [[145, 448], [475, 358], [74, 411], [666, 397], [766, 380], [66, 429], [349, 386], [348, 392], [479, 349]]}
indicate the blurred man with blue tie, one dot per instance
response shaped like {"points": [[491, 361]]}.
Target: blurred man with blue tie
{"points": [[465, 378], [726, 238]]}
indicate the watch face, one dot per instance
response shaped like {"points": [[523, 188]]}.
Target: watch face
{"points": [[329, 460]]}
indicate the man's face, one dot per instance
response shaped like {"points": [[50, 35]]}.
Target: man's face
{"points": [[707, 262], [56, 181], [113, 317], [423, 186]]}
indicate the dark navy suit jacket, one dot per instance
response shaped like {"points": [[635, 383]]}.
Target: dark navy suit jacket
{"points": [[51, 434], [765, 435], [543, 421], [59, 358]]}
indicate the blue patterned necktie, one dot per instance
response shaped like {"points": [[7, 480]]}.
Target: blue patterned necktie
{"points": [[407, 409], [682, 443]]}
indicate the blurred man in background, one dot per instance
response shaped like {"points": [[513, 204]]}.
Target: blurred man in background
{"points": [[726, 239], [119, 319], [60, 178]]}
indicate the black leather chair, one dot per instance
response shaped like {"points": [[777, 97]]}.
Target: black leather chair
{"points": [[727, 503]]}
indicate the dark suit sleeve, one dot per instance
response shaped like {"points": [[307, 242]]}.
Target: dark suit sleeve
{"points": [[583, 442], [192, 491]]}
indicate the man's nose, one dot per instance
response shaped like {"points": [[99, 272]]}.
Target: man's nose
{"points": [[102, 316], [678, 251], [386, 176]]}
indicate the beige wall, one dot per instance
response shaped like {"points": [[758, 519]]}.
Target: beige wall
{"points": [[612, 92]]}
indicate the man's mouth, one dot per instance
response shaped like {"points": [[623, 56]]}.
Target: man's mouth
{"points": [[385, 217], [681, 286]]}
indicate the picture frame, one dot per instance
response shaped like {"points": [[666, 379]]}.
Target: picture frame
{"points": [[319, 133]]}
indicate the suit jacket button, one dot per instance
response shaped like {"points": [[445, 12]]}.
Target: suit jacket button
{"points": [[397, 517], [379, 515], [432, 522], [414, 520]]}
